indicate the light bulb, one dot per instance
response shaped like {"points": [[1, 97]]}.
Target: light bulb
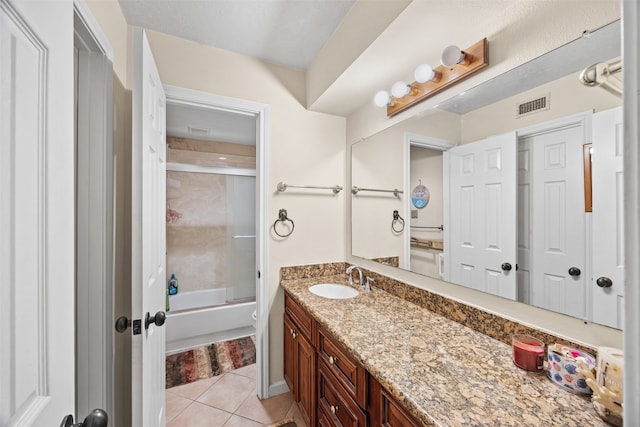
{"points": [[400, 89], [451, 55], [382, 98], [424, 73]]}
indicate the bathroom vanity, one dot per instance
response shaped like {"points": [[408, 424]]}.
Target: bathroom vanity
{"points": [[378, 359]]}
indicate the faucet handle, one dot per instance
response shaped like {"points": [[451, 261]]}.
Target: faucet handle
{"points": [[367, 286]]}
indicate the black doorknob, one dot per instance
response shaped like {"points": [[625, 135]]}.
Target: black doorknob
{"points": [[506, 266], [604, 282], [157, 318], [574, 271], [122, 324]]}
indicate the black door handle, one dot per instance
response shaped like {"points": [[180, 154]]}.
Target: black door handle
{"points": [[506, 266], [157, 318], [574, 271], [123, 323], [97, 418], [604, 282]]}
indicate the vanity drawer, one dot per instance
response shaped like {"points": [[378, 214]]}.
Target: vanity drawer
{"points": [[303, 320], [335, 405], [350, 374]]}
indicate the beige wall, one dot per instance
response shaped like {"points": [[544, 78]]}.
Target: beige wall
{"points": [[568, 96], [304, 147]]}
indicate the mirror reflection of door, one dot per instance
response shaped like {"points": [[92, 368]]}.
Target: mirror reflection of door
{"points": [[552, 231]]}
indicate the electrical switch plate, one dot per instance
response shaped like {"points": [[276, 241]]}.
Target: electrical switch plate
{"points": [[414, 213]]}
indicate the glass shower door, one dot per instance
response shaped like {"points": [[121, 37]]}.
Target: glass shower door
{"points": [[241, 238]]}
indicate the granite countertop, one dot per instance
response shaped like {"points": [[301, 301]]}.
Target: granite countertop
{"points": [[444, 373]]}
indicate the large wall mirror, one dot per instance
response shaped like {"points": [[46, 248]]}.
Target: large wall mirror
{"points": [[512, 188]]}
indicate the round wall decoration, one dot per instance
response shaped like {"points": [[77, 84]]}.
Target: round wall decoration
{"points": [[420, 196]]}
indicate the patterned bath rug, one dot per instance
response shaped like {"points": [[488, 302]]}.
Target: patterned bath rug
{"points": [[210, 360]]}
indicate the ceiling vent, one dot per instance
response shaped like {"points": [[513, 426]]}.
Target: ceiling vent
{"points": [[533, 106], [198, 132]]}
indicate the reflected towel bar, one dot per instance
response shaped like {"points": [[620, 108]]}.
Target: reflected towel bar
{"points": [[441, 228], [282, 187], [395, 191]]}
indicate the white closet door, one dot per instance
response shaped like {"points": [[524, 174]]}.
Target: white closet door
{"points": [[37, 213], [557, 218], [608, 222], [482, 210]]}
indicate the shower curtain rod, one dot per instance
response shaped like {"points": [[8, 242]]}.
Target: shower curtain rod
{"points": [[602, 74]]}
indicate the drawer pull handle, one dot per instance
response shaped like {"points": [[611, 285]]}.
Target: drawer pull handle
{"points": [[293, 333], [334, 409], [332, 360]]}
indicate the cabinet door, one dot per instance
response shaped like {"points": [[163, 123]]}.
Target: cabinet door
{"points": [[300, 369], [305, 360], [393, 415], [289, 355]]}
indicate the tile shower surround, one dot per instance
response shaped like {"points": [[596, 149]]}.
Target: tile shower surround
{"points": [[489, 324]]}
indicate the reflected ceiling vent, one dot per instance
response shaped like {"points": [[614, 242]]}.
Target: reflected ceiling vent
{"points": [[533, 106], [195, 131]]}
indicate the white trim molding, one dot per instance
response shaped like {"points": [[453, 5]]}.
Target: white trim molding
{"points": [[188, 97]]}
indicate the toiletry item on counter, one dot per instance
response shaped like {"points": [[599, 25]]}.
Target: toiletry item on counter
{"points": [[528, 352], [173, 285], [566, 365], [607, 385]]}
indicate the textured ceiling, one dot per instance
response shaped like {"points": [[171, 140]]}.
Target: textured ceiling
{"points": [[284, 32]]}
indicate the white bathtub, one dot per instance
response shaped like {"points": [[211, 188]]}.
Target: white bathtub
{"points": [[198, 318]]}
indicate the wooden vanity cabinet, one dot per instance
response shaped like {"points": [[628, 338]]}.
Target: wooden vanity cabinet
{"points": [[330, 387], [300, 359]]}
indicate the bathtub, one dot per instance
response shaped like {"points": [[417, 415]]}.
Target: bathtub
{"points": [[197, 318]]}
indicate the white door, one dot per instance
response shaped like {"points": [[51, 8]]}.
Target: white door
{"points": [[37, 237], [608, 224], [482, 207], [148, 235], [555, 256]]}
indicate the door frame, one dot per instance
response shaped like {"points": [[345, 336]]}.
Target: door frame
{"points": [[417, 140], [94, 222], [631, 112], [188, 97]]}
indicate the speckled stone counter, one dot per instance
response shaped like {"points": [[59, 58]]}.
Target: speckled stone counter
{"points": [[444, 373]]}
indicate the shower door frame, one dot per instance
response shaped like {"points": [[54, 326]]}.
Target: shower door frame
{"points": [[187, 97]]}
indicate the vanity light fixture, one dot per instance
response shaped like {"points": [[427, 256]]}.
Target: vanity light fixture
{"points": [[456, 65], [425, 73], [452, 55]]}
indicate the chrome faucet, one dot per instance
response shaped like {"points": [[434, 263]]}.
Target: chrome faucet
{"points": [[350, 273]]}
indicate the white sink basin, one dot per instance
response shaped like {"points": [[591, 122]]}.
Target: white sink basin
{"points": [[333, 291]]}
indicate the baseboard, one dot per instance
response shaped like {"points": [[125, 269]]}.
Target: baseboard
{"points": [[278, 388]]}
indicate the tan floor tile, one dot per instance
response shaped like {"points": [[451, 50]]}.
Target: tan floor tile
{"points": [[195, 389], [246, 371], [268, 410], [236, 421], [229, 392], [294, 413], [174, 405], [199, 415]]}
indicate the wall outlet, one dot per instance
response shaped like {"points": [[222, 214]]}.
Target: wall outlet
{"points": [[414, 213]]}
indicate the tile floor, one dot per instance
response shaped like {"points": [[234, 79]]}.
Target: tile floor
{"points": [[227, 400]]}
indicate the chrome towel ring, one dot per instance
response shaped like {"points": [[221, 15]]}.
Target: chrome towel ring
{"points": [[282, 217], [397, 224]]}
